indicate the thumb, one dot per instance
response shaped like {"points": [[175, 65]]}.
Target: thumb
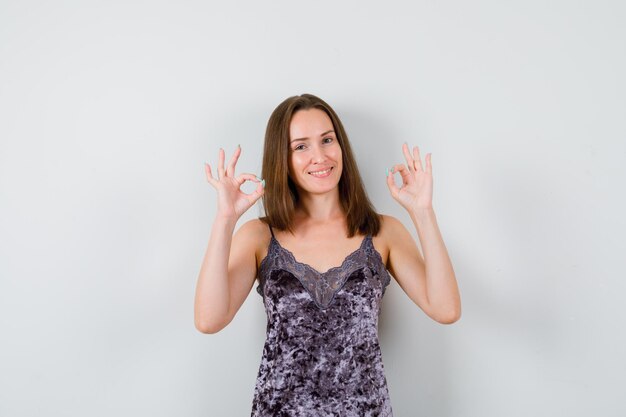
{"points": [[257, 193], [391, 184]]}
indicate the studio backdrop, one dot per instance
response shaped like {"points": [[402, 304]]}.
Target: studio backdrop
{"points": [[108, 111]]}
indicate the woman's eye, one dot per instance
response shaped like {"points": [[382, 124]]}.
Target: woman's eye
{"points": [[297, 148], [328, 139]]}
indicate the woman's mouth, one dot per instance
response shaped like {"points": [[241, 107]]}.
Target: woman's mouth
{"points": [[322, 173]]}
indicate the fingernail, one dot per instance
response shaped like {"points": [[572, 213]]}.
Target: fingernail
{"points": [[263, 183], [238, 145]]}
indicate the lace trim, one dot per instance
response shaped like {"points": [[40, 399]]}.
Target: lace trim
{"points": [[323, 286]]}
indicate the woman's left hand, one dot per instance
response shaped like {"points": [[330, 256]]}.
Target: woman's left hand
{"points": [[416, 191]]}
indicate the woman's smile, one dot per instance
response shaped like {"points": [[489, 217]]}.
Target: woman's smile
{"points": [[321, 174]]}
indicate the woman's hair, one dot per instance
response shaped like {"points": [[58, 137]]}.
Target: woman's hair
{"points": [[281, 195]]}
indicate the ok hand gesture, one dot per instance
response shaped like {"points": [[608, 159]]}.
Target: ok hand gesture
{"points": [[416, 191], [231, 201]]}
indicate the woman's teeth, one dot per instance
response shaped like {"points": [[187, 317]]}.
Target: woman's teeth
{"points": [[321, 173]]}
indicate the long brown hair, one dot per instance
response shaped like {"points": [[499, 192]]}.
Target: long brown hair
{"points": [[281, 195]]}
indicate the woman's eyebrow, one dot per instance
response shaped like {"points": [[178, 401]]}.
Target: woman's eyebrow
{"points": [[325, 133]]}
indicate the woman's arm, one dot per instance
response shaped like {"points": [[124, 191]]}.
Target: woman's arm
{"points": [[227, 274], [429, 281], [212, 293], [229, 266]]}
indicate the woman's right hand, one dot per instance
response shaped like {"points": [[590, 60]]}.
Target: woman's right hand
{"points": [[231, 201]]}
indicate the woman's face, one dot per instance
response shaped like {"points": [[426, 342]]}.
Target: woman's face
{"points": [[315, 162]]}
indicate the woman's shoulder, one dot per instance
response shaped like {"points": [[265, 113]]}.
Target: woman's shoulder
{"points": [[255, 235], [255, 229], [389, 225]]}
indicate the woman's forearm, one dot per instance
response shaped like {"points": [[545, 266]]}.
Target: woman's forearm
{"points": [[441, 285], [212, 290]]}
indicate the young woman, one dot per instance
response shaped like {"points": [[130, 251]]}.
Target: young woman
{"points": [[322, 256]]}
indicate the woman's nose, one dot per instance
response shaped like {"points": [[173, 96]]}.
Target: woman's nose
{"points": [[318, 154]]}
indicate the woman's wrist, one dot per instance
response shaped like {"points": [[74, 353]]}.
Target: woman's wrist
{"points": [[420, 214]]}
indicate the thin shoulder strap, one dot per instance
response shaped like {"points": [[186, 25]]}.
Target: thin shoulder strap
{"points": [[272, 232]]}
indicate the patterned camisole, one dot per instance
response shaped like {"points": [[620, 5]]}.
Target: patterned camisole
{"points": [[321, 356]]}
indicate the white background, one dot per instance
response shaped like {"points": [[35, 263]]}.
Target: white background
{"points": [[108, 110]]}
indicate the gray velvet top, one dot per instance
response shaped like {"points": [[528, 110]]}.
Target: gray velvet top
{"points": [[321, 356]]}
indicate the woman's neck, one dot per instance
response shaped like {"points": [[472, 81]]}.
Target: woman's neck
{"points": [[319, 207]]}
